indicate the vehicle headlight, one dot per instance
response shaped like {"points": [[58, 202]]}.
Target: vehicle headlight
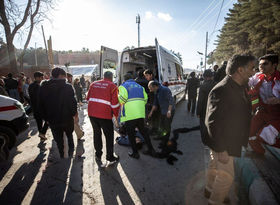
{"points": [[19, 106]]}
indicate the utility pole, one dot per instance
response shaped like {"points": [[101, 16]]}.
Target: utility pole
{"points": [[138, 22], [45, 44], [206, 50], [36, 62]]}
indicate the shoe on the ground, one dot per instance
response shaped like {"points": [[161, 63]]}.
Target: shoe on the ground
{"points": [[42, 136], [134, 155], [150, 152], [113, 160], [207, 195]]}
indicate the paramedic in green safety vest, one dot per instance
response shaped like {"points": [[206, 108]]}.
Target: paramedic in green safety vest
{"points": [[133, 99]]}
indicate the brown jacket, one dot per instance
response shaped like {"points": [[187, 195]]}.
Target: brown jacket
{"points": [[228, 117]]}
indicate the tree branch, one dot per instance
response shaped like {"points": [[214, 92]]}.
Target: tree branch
{"points": [[26, 13]]}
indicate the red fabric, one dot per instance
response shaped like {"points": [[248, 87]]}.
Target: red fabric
{"points": [[105, 92], [262, 119], [257, 145]]}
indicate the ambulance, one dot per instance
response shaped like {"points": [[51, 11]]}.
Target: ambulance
{"points": [[13, 121], [166, 66]]}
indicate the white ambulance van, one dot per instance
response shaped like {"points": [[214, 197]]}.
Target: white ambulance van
{"points": [[166, 67], [13, 121]]}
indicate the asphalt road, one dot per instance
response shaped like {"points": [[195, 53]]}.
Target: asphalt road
{"points": [[34, 173]]}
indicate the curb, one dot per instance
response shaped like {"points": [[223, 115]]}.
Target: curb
{"points": [[252, 188]]}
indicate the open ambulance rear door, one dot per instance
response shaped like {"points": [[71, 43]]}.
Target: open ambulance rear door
{"points": [[108, 56]]}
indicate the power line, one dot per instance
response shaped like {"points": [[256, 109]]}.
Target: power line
{"points": [[215, 26], [201, 20], [210, 19], [197, 19], [217, 18]]}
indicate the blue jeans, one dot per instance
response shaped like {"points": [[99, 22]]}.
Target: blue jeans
{"points": [[13, 93]]}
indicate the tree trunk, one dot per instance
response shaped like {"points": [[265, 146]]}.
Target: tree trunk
{"points": [[12, 57]]}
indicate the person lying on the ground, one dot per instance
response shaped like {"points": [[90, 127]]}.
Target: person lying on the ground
{"points": [[171, 145]]}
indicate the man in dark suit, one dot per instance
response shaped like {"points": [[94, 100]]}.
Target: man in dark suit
{"points": [[227, 120]]}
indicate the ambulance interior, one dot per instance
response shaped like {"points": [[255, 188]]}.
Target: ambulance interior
{"points": [[139, 59]]}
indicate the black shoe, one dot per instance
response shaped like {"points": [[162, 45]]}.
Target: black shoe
{"points": [[113, 160], [134, 155], [150, 152]]}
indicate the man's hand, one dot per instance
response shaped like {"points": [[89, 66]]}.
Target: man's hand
{"points": [[76, 118], [117, 124], [223, 157], [150, 114], [168, 115], [273, 101]]}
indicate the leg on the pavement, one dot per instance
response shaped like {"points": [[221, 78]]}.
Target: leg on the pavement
{"points": [[193, 105], [223, 181], [108, 129], [144, 132], [39, 123], [68, 129], [130, 128], [97, 136], [166, 124], [189, 103], [58, 138], [45, 128]]}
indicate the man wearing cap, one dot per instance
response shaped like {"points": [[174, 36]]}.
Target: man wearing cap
{"points": [[204, 91], [33, 91]]}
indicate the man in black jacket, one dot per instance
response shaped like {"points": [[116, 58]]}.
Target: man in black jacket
{"points": [[33, 91], [11, 85], [204, 91], [227, 120], [221, 72], [191, 88], [58, 107]]}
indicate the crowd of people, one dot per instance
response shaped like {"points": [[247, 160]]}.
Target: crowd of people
{"points": [[238, 104]]}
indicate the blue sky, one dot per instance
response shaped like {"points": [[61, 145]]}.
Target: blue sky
{"points": [[179, 25]]}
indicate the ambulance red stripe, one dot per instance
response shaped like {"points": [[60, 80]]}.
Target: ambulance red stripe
{"points": [[7, 108]]}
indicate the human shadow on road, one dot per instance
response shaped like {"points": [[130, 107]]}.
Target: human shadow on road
{"points": [[74, 193], [113, 187], [53, 183], [18, 187], [61, 182]]}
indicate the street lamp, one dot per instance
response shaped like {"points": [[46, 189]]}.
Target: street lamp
{"points": [[138, 22], [201, 62]]}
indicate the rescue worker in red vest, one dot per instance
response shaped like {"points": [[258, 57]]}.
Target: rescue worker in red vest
{"points": [[265, 92], [102, 106], [133, 99]]}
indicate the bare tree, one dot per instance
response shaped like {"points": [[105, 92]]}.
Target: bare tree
{"points": [[16, 20]]}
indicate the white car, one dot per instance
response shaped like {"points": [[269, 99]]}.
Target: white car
{"points": [[13, 121]]}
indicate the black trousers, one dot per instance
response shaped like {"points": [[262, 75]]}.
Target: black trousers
{"points": [[108, 130], [191, 104], [130, 129], [58, 131], [165, 126], [42, 128]]}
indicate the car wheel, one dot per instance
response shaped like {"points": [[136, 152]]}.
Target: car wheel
{"points": [[11, 136], [4, 150]]}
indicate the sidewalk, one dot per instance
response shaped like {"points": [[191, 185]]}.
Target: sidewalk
{"points": [[259, 177]]}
